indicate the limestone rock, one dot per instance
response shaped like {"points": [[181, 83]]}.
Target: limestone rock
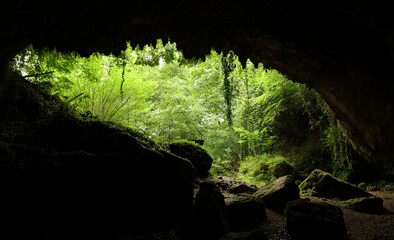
{"points": [[85, 178], [200, 159], [242, 188], [245, 212], [282, 169], [233, 185], [323, 184], [210, 215], [277, 194], [366, 204], [309, 220]]}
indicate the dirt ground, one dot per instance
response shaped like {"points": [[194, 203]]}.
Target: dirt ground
{"points": [[360, 226]]}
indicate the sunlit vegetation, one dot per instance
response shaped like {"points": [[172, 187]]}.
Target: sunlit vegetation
{"points": [[249, 117]]}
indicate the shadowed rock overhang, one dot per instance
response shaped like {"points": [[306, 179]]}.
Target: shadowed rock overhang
{"points": [[343, 49]]}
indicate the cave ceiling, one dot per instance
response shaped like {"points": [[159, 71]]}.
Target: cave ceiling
{"points": [[343, 49]]}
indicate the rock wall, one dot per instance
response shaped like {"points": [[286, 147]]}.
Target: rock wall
{"points": [[67, 178], [343, 49]]}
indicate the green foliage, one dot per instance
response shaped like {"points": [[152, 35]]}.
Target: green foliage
{"points": [[378, 185], [336, 141], [188, 142], [245, 115], [257, 169], [228, 65]]}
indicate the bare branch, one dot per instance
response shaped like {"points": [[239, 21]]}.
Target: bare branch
{"points": [[38, 74]]}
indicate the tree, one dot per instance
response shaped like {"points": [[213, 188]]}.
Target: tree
{"points": [[228, 65], [241, 113]]}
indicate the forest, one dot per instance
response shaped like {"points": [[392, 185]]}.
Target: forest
{"points": [[250, 118]]}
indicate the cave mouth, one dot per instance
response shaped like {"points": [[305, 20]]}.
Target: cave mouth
{"points": [[78, 127], [247, 117], [68, 177]]}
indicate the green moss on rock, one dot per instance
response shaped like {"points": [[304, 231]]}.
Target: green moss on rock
{"points": [[323, 184], [197, 155], [367, 204], [277, 194]]}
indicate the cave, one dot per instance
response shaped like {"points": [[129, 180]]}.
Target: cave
{"points": [[342, 49]]}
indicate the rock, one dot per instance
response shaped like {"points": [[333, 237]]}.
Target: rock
{"points": [[210, 215], [367, 204], [243, 188], [310, 220], [252, 235], [282, 169], [232, 185], [198, 156], [323, 184], [245, 212], [277, 194], [78, 178], [225, 183]]}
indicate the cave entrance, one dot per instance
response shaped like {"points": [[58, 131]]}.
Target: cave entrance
{"points": [[249, 118]]}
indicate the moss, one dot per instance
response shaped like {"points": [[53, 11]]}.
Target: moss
{"points": [[377, 185], [298, 182], [363, 185], [196, 154], [184, 141], [310, 181], [269, 192], [310, 192], [368, 204], [329, 186]]}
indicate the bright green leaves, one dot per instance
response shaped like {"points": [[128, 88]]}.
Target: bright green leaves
{"points": [[154, 56], [240, 112]]}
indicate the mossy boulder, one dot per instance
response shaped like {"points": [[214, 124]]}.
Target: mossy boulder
{"points": [[68, 178], [246, 212], [87, 192], [323, 184], [197, 155], [371, 204], [282, 169], [277, 194], [311, 220]]}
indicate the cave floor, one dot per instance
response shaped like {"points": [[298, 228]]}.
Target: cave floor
{"points": [[360, 226]]}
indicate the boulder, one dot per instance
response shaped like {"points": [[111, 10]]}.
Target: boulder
{"points": [[233, 185], [310, 220], [277, 194], [245, 212], [323, 184], [78, 178], [242, 188], [282, 169], [197, 155], [210, 215], [367, 204]]}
